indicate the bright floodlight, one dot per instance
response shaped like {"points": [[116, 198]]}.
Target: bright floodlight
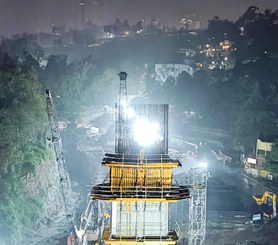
{"points": [[145, 133], [130, 112], [123, 103], [203, 164]]}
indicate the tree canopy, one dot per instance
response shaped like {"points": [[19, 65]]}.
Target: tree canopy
{"points": [[271, 160]]}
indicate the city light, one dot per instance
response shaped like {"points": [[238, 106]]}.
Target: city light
{"points": [[145, 132]]}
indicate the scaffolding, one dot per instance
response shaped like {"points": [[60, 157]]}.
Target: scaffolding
{"points": [[197, 206], [140, 182], [140, 188]]}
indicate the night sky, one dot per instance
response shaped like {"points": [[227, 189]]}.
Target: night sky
{"points": [[17, 16]]}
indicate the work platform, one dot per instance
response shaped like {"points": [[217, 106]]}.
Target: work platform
{"points": [[170, 239], [137, 177], [140, 183], [140, 188]]}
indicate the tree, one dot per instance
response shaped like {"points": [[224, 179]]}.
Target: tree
{"points": [[104, 88], [252, 117], [18, 45], [138, 27], [219, 30], [22, 149], [55, 72], [249, 16], [271, 159], [117, 27]]}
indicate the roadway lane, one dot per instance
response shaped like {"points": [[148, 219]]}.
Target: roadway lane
{"points": [[230, 203], [229, 190]]}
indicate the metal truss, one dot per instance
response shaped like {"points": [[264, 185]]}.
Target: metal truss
{"points": [[197, 206]]}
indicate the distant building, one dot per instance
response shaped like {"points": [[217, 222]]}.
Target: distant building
{"points": [[187, 52], [189, 24], [164, 71], [58, 30], [250, 163], [82, 7], [262, 148]]}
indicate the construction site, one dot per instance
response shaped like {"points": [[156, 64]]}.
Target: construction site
{"points": [[142, 199], [132, 204]]}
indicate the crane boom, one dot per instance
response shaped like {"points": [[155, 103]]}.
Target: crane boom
{"points": [[82, 235], [58, 149]]}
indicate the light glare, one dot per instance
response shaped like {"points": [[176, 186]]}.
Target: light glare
{"points": [[130, 112], [145, 133], [203, 164]]}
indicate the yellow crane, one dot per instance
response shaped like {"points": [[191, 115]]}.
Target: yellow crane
{"points": [[265, 199]]}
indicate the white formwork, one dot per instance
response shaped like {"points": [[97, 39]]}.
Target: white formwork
{"points": [[139, 219]]}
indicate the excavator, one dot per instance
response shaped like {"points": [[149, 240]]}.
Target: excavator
{"points": [[268, 199]]}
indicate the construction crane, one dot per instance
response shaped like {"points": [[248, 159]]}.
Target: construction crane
{"points": [[121, 123], [267, 198], [60, 160], [87, 230]]}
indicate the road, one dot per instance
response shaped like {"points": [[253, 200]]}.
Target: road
{"points": [[230, 203], [229, 189]]}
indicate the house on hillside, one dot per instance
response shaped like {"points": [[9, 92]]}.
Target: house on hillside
{"points": [[254, 166], [164, 71], [262, 148]]}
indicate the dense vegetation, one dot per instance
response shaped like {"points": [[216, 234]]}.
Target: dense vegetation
{"points": [[24, 125], [22, 144], [272, 159], [241, 100]]}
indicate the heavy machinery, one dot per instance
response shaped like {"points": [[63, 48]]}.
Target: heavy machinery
{"points": [[268, 199]]}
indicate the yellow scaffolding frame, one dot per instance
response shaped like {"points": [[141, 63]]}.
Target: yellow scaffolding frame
{"points": [[124, 176], [152, 176]]}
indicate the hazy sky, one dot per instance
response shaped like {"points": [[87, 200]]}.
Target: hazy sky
{"points": [[17, 16]]}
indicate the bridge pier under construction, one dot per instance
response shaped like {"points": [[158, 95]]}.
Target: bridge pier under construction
{"points": [[140, 182]]}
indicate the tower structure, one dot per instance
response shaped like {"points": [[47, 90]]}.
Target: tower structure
{"points": [[121, 123], [197, 205], [82, 7], [140, 185]]}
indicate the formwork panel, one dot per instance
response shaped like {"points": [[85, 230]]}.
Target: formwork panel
{"points": [[127, 178], [156, 113], [139, 219]]}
